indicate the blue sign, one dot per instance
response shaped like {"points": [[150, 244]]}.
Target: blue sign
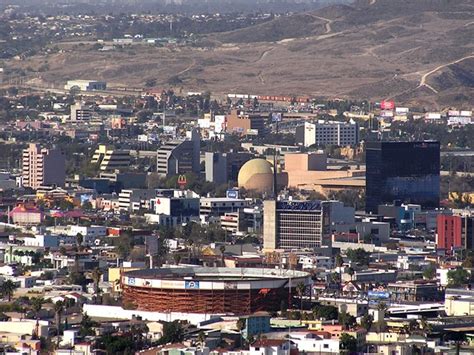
{"points": [[191, 285], [276, 117], [232, 194], [378, 294], [85, 198], [314, 205]]}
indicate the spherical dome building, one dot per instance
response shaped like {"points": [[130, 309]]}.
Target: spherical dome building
{"points": [[256, 175]]}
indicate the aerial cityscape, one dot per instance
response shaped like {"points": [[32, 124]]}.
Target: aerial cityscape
{"points": [[186, 177]]}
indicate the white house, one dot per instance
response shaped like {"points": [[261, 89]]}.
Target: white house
{"points": [[309, 342]]}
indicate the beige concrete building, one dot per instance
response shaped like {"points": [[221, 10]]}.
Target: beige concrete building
{"points": [[309, 171], [245, 123]]}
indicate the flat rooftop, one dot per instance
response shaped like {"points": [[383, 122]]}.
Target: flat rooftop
{"points": [[216, 274]]}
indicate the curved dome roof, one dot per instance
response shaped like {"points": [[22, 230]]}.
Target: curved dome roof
{"points": [[254, 167]]}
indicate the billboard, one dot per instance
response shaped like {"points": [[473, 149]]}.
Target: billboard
{"points": [[219, 123], [386, 113], [379, 295], [232, 193], [402, 110], [276, 117], [387, 105], [433, 116], [171, 130]]}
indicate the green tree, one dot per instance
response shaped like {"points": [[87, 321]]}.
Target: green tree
{"points": [[36, 305], [348, 343], [367, 321], [346, 320], [77, 278], [79, 240], [7, 289], [339, 260], [325, 312], [458, 277], [429, 272], [358, 256], [96, 274], [172, 333], [87, 326], [124, 245], [123, 344], [300, 290]]}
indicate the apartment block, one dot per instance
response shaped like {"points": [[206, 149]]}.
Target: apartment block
{"points": [[42, 166]]}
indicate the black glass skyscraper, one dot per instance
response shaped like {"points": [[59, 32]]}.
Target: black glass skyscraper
{"points": [[402, 171]]}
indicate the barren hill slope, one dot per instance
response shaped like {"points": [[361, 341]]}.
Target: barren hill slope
{"points": [[413, 51]]}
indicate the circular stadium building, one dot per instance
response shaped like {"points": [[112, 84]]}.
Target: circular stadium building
{"points": [[210, 290]]}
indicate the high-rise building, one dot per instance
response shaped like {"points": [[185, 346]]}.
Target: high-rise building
{"points": [[224, 167], [179, 156], [80, 112], [292, 225], [328, 133], [407, 172], [302, 224], [111, 159], [42, 167]]}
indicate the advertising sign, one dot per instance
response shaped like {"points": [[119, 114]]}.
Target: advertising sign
{"points": [[378, 295], [191, 285], [232, 193], [276, 117], [387, 105]]}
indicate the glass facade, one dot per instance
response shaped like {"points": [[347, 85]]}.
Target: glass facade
{"points": [[402, 171]]}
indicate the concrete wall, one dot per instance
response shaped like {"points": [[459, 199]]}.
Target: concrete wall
{"points": [[93, 310], [305, 162], [269, 229], [24, 327]]}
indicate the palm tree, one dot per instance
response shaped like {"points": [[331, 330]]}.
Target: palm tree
{"points": [[382, 306], [58, 311], [300, 289], [79, 241], [201, 339], [96, 274], [222, 250], [241, 323], [37, 304], [8, 289], [351, 272]]}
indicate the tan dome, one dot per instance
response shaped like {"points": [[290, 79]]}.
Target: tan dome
{"points": [[256, 174]]}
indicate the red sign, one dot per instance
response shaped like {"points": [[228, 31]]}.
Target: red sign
{"points": [[182, 181], [387, 105]]}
